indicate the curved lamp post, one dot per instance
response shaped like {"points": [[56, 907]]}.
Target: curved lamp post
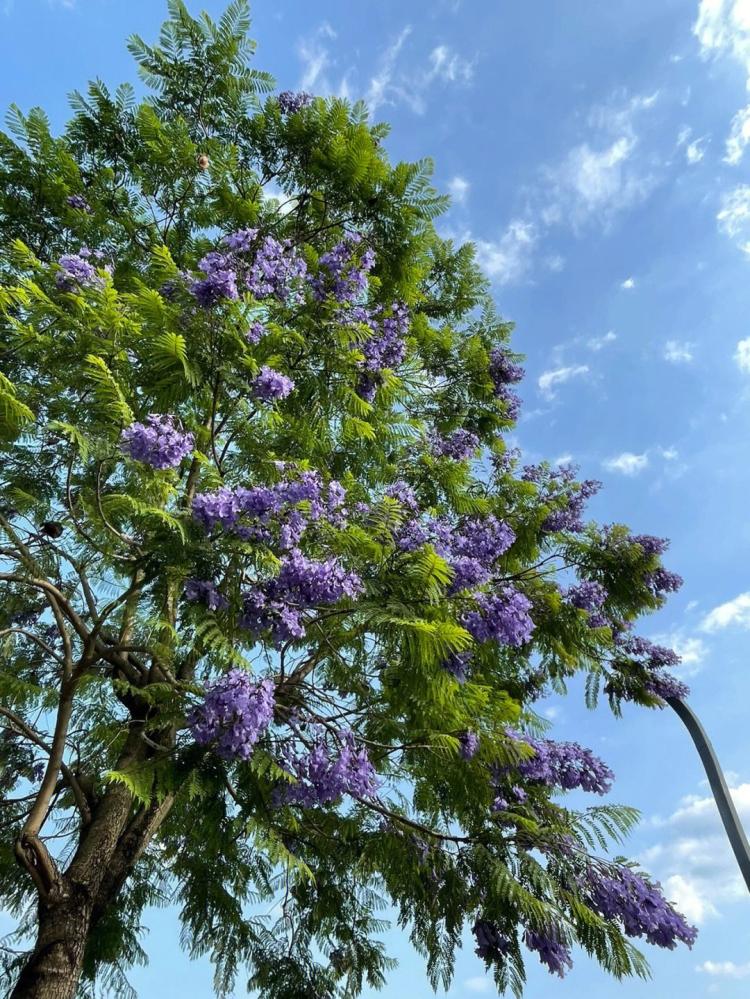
{"points": [[718, 785]]}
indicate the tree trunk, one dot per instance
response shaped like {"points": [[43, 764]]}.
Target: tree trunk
{"points": [[54, 967]]}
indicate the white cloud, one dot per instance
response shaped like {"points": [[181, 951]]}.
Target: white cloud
{"points": [[627, 463], [563, 459], [739, 136], [725, 969], [548, 380], [315, 58], [734, 216], [723, 28], [555, 263], [478, 984], [695, 151], [736, 611], [669, 453], [694, 860], [742, 354], [597, 342], [449, 66], [507, 260], [628, 283], [458, 188], [382, 89], [677, 352], [691, 649]]}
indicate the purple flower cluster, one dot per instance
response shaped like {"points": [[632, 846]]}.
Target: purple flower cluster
{"points": [[502, 617], [469, 744], [661, 581], [275, 607], [290, 102], [235, 713], [505, 373], [276, 270], [255, 332], [459, 445], [77, 271], [652, 660], [273, 269], [404, 493], [251, 513], [558, 487], [386, 348], [271, 385], [204, 591], [220, 281], [457, 665], [323, 778], [551, 949], [78, 202], [343, 271], [564, 764], [651, 545], [491, 944], [587, 595], [623, 894], [157, 442]]}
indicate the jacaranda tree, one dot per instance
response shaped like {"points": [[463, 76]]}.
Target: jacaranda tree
{"points": [[277, 600]]}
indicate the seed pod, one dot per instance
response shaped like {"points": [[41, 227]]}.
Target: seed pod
{"points": [[203, 161], [52, 528]]}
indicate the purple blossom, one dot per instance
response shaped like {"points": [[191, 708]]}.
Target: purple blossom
{"points": [[457, 665], [661, 581], [664, 685], [501, 616], [491, 944], [75, 270], [469, 744], [204, 591], [551, 949], [241, 241], [367, 386], [220, 281], [650, 655], [309, 583], [255, 332], [270, 385], [651, 545], [290, 102], [504, 463], [619, 893], [588, 595], [503, 371], [262, 615], [564, 764], [458, 445], [78, 202], [323, 778], [404, 493], [234, 715], [277, 269], [343, 271], [220, 507], [158, 442], [386, 348]]}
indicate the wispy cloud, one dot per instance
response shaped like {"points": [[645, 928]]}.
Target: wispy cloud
{"points": [[628, 284], [550, 380], [694, 859], [627, 463], [382, 88], [691, 649], [742, 355], [733, 612], [678, 352], [479, 985], [449, 66], [724, 969], [458, 188], [508, 259], [723, 28], [598, 342], [315, 58], [734, 216]]}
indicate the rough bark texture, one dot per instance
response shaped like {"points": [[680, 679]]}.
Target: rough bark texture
{"points": [[109, 848]]}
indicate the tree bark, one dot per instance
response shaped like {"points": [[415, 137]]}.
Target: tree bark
{"points": [[54, 967], [109, 848]]}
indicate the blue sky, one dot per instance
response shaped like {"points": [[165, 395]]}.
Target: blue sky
{"points": [[596, 155]]}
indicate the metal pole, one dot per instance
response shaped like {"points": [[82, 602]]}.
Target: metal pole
{"points": [[718, 785]]}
